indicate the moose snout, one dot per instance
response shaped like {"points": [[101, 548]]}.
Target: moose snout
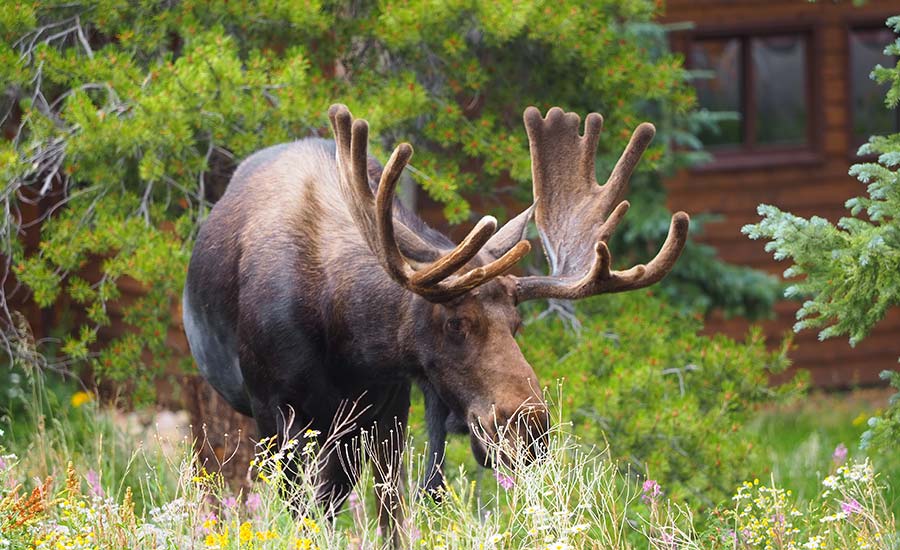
{"points": [[511, 436]]}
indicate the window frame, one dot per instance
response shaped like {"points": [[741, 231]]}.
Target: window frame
{"points": [[850, 25], [749, 154]]}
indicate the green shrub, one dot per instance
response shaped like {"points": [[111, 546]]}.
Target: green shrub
{"points": [[670, 402]]}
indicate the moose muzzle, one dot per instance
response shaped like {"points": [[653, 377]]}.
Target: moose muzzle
{"points": [[511, 436]]}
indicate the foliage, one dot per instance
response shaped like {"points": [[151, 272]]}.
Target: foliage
{"points": [[128, 117], [670, 401], [575, 498], [850, 270]]}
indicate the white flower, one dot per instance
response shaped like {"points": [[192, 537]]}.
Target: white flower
{"points": [[814, 543], [558, 545]]}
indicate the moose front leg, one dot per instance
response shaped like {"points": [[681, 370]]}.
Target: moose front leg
{"points": [[387, 444], [436, 415]]}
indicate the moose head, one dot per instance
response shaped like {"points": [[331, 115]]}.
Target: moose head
{"points": [[311, 286], [464, 310]]}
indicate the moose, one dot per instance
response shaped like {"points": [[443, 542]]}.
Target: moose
{"points": [[311, 286]]}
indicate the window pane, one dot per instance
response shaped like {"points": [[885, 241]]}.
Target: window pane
{"points": [[779, 65], [722, 92], [870, 116]]}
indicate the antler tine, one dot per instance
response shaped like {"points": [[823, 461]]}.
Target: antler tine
{"points": [[576, 216], [601, 280], [459, 256], [432, 282], [374, 217], [617, 183], [395, 264]]}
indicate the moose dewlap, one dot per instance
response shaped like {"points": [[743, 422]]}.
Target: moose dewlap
{"points": [[312, 291]]}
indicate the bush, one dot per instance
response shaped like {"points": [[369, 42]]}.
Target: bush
{"points": [[670, 402]]}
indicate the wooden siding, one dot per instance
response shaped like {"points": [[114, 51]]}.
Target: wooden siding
{"points": [[816, 184]]}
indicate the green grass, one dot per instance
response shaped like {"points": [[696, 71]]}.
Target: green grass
{"points": [[800, 438]]}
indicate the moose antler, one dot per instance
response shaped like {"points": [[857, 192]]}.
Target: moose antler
{"points": [[373, 215], [575, 216]]}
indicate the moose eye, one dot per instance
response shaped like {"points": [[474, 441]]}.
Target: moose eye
{"points": [[455, 326]]}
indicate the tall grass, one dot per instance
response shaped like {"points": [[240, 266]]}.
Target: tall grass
{"points": [[70, 478]]}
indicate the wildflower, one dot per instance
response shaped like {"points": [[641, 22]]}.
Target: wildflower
{"points": [[229, 502], [504, 480], [80, 398], [815, 543], [303, 544], [851, 506], [651, 490], [840, 454], [558, 545], [210, 522], [217, 540], [245, 532], [311, 525], [93, 480], [311, 433], [253, 502], [266, 535]]}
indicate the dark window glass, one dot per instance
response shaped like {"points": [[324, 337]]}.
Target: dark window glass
{"points": [[779, 88], [870, 115], [722, 90], [763, 77]]}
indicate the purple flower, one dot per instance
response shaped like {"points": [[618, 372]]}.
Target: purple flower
{"points": [[93, 481], [253, 502], [652, 491], [851, 506], [504, 480], [229, 502], [840, 454], [2, 463]]}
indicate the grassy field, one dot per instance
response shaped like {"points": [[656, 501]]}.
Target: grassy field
{"points": [[103, 492]]}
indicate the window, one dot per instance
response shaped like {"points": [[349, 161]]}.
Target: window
{"points": [[764, 78], [869, 114]]}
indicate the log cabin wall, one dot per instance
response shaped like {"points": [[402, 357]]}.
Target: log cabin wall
{"points": [[777, 155]]}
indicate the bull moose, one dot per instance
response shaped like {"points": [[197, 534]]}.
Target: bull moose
{"points": [[311, 286]]}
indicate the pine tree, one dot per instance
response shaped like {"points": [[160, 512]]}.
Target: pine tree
{"points": [[850, 270]]}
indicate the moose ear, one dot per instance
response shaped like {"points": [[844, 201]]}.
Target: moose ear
{"points": [[511, 233]]}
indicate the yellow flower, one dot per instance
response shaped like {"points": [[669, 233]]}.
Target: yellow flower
{"points": [[266, 535], [311, 525], [80, 398], [246, 532], [303, 544]]}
